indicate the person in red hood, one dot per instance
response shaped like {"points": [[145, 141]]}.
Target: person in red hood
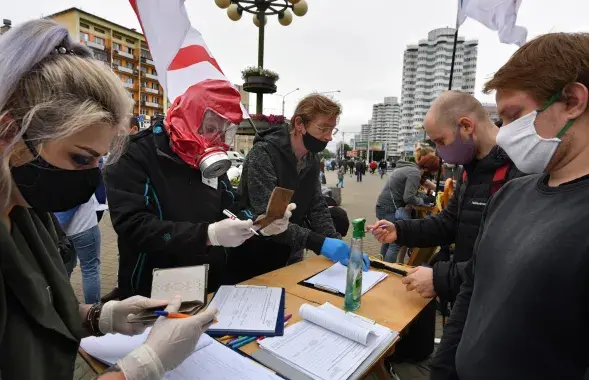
{"points": [[168, 191]]}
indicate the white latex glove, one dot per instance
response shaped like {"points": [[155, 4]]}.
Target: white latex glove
{"points": [[113, 318], [169, 343], [230, 232], [279, 225]]}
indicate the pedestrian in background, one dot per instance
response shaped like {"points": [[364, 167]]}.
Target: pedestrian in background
{"points": [[400, 192], [340, 177]]}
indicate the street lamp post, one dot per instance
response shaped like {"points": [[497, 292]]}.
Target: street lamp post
{"points": [[284, 97], [260, 9], [329, 92]]}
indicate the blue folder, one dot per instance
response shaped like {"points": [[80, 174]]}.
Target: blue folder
{"points": [[278, 331]]}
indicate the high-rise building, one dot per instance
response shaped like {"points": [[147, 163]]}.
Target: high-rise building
{"points": [[365, 131], [385, 123], [426, 73], [122, 49]]}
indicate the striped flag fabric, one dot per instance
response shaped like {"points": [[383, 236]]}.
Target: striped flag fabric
{"points": [[498, 15], [180, 54]]}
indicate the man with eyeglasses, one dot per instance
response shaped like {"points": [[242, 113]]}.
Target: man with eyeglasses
{"points": [[286, 156]]}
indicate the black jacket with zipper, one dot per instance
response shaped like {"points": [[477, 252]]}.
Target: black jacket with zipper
{"points": [[458, 223], [161, 210]]}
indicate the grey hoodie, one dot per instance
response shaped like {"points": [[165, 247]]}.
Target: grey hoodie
{"points": [[402, 185]]}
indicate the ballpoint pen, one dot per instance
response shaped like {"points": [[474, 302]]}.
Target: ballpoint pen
{"points": [[244, 342], [231, 215], [163, 313]]}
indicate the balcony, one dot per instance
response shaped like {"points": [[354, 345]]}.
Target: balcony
{"points": [[150, 104], [94, 45], [129, 85], [147, 60], [125, 69], [151, 90], [124, 54], [150, 76]]}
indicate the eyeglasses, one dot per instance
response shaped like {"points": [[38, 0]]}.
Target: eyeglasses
{"points": [[325, 130]]}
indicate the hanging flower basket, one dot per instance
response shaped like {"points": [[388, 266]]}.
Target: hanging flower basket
{"points": [[259, 80]]}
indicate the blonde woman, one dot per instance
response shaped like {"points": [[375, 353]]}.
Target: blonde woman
{"points": [[60, 111]]}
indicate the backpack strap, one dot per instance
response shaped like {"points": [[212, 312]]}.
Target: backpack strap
{"points": [[499, 178]]}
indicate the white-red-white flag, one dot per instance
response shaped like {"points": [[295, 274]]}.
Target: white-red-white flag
{"points": [[499, 15], [180, 54]]}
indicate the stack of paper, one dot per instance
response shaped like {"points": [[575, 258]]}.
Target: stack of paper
{"points": [[335, 276], [210, 360], [329, 343]]}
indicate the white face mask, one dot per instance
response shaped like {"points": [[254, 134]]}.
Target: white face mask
{"points": [[529, 152]]}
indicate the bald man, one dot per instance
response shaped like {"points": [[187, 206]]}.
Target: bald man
{"points": [[464, 134]]}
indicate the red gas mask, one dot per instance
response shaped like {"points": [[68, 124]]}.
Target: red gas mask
{"points": [[201, 125]]}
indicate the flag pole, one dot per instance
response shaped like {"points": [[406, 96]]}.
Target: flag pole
{"points": [[449, 86]]}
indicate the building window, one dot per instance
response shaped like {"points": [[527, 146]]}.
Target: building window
{"points": [[98, 30], [143, 97], [153, 72], [100, 55], [154, 86], [144, 84], [116, 46], [130, 41], [129, 80], [156, 99], [84, 36], [143, 112], [130, 50], [116, 61], [129, 65], [117, 36], [84, 25], [99, 40], [142, 69]]}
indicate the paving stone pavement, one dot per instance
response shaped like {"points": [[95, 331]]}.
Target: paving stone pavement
{"points": [[358, 199]]}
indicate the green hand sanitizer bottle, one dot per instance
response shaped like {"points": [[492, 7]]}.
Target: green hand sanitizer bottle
{"points": [[354, 278]]}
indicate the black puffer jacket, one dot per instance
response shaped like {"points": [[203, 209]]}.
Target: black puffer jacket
{"points": [[458, 223]]}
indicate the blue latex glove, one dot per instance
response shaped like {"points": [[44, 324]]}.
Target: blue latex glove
{"points": [[365, 264], [338, 251]]}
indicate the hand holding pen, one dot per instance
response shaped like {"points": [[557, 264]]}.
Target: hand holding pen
{"points": [[384, 231]]}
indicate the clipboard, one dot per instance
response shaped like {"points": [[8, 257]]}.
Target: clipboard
{"points": [[278, 330], [320, 288]]}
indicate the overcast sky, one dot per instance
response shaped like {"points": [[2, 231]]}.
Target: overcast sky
{"points": [[355, 46]]}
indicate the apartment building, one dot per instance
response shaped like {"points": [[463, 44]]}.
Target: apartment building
{"points": [[122, 49], [426, 73]]}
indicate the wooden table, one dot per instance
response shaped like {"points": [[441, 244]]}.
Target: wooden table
{"points": [[388, 303]]}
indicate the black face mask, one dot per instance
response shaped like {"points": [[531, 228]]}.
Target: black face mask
{"points": [[313, 144], [48, 188]]}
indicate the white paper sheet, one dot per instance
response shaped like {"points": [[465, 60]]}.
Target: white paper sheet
{"points": [[334, 277], [210, 360], [190, 283], [112, 347], [323, 354], [247, 308]]}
